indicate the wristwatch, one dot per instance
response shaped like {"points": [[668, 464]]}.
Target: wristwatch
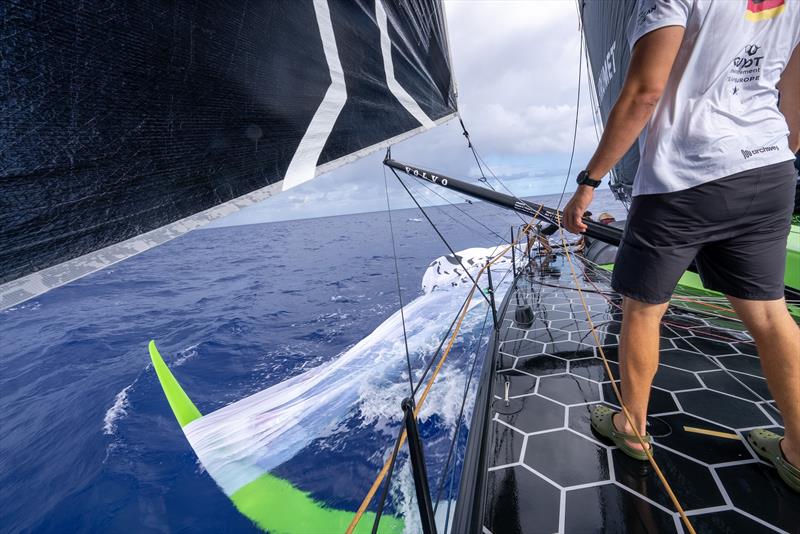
{"points": [[583, 179]]}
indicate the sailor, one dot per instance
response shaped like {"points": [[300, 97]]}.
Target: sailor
{"points": [[715, 186], [606, 218]]}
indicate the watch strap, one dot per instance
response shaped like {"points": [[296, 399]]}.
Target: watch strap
{"points": [[584, 179]]}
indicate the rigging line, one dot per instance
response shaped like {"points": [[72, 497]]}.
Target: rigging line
{"points": [[463, 403], [502, 184], [453, 252], [647, 450], [595, 105], [457, 432], [447, 334], [417, 408], [575, 129], [462, 223], [399, 290], [382, 473], [673, 328], [388, 483], [444, 338], [432, 190], [480, 160], [465, 133], [438, 349], [693, 300]]}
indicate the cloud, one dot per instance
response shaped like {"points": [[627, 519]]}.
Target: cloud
{"points": [[516, 67]]}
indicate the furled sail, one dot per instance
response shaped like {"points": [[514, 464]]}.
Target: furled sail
{"points": [[605, 31], [125, 126]]}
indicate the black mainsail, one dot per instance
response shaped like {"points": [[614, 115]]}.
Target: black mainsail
{"points": [[129, 125]]}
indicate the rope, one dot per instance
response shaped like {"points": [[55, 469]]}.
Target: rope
{"points": [[453, 252], [432, 190], [418, 407], [647, 450], [575, 129], [465, 133], [674, 327], [397, 278], [461, 411], [479, 160], [436, 354], [385, 493]]}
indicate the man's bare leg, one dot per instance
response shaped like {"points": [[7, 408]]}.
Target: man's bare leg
{"points": [[777, 339], [638, 360]]}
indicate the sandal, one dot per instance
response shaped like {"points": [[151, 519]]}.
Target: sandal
{"points": [[603, 424], [768, 445]]}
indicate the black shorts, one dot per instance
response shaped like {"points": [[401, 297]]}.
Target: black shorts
{"points": [[735, 229]]}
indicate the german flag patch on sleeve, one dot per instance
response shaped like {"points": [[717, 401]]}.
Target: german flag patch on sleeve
{"points": [[763, 9]]}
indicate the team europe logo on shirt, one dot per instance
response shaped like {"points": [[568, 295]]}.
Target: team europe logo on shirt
{"points": [[763, 9]]}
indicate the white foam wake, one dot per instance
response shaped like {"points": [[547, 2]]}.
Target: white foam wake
{"points": [[118, 409], [242, 441]]}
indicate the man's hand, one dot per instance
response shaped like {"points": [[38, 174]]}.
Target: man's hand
{"points": [[576, 207]]}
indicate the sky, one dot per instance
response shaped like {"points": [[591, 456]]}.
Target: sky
{"points": [[516, 69]]}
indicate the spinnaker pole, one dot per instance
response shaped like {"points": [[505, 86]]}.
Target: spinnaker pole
{"points": [[595, 230]]}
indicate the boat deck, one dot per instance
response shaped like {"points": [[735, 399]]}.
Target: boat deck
{"points": [[548, 471]]}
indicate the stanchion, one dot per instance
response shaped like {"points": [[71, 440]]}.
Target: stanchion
{"points": [[418, 469]]}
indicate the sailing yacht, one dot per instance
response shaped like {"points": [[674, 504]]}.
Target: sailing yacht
{"points": [[257, 99]]}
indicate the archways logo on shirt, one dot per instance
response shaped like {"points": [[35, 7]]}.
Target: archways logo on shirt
{"points": [[763, 9]]}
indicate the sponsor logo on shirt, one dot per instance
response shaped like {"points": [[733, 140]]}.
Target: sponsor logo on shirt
{"points": [[763, 9], [750, 153], [746, 66]]}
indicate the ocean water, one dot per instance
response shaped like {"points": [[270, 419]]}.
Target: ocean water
{"points": [[87, 440]]}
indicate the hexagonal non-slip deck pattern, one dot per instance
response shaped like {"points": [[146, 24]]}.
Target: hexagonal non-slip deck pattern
{"points": [[549, 472]]}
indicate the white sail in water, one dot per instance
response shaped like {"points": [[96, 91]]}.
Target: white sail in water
{"points": [[186, 117]]}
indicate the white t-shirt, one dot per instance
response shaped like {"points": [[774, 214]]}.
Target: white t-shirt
{"points": [[719, 111]]}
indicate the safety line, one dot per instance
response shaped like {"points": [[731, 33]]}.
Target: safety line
{"points": [[648, 450], [418, 407]]}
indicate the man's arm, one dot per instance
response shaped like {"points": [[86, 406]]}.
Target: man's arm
{"points": [[651, 63], [789, 87]]}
